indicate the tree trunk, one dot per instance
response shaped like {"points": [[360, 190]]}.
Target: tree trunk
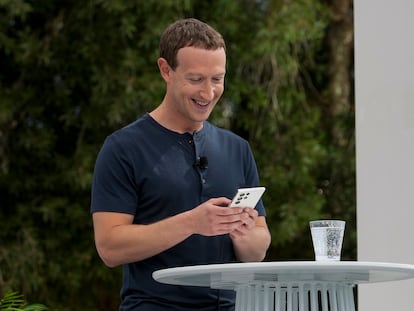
{"points": [[341, 39]]}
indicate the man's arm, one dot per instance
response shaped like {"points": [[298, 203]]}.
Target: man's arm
{"points": [[252, 239], [119, 241]]}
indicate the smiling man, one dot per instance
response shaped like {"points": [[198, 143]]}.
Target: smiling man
{"points": [[155, 205], [193, 88]]}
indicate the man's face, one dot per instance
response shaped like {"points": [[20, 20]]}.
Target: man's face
{"points": [[196, 84]]}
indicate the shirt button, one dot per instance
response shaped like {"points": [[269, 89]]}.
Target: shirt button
{"points": [[203, 181]]}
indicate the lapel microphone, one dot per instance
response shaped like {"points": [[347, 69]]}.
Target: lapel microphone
{"points": [[201, 162]]}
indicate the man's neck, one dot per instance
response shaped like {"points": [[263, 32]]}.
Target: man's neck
{"points": [[169, 120]]}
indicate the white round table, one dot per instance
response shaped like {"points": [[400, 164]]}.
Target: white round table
{"points": [[288, 286]]}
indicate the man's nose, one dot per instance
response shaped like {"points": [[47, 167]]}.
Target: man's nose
{"points": [[208, 91]]}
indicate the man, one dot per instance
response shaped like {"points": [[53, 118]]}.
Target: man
{"points": [[162, 184]]}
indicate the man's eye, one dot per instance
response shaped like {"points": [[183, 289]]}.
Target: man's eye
{"points": [[195, 79]]}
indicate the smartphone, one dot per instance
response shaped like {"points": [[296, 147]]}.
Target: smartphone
{"points": [[247, 197]]}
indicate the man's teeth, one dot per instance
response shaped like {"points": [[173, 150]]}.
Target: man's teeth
{"points": [[201, 103]]}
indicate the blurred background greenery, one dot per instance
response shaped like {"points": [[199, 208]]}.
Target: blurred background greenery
{"points": [[71, 72]]}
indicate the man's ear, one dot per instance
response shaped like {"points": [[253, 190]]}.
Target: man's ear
{"points": [[165, 68]]}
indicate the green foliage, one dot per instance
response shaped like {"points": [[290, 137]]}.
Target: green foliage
{"points": [[74, 71], [13, 301]]}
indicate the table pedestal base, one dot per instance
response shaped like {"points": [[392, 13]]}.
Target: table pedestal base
{"points": [[295, 296]]}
